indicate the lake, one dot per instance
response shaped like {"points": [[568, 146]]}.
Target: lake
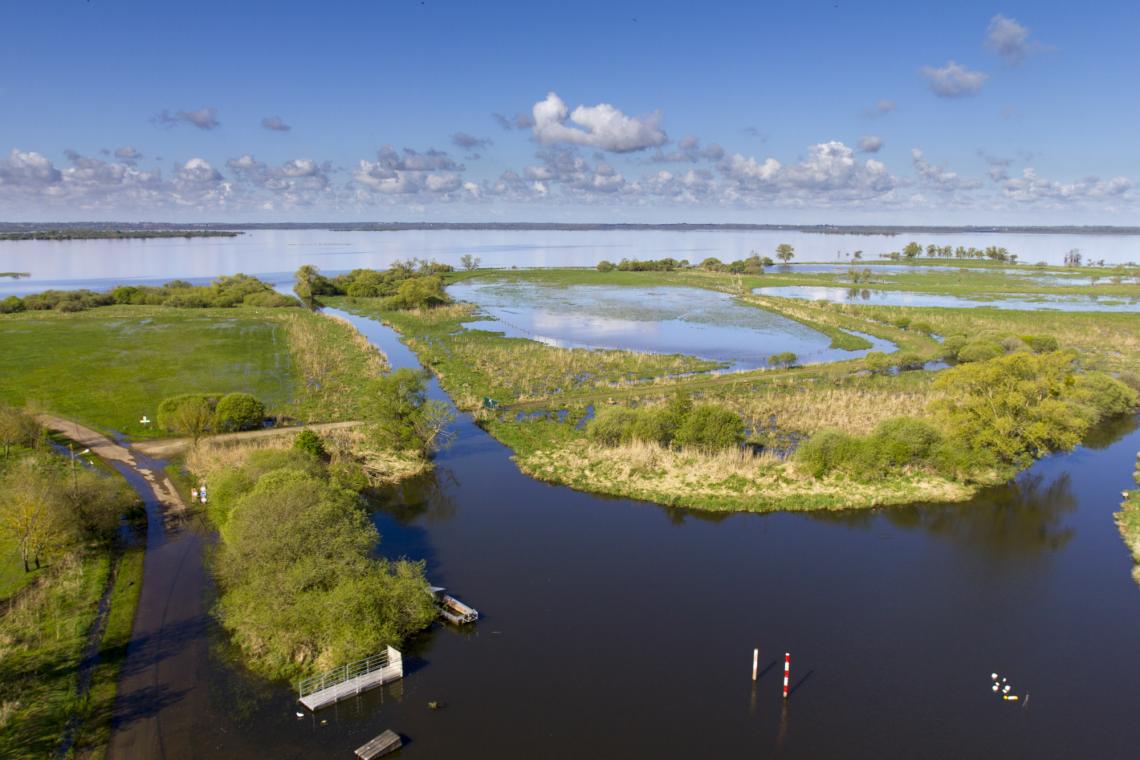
{"points": [[276, 254]]}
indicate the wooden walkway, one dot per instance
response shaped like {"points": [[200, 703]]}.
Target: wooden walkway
{"points": [[385, 743], [332, 686]]}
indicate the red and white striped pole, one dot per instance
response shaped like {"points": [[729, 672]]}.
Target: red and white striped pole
{"points": [[787, 671]]}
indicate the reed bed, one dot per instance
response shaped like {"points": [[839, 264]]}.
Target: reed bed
{"points": [[333, 362]]}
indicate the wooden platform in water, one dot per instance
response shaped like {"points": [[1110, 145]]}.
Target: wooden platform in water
{"points": [[385, 743]]}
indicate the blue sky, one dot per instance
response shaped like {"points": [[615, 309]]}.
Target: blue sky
{"points": [[799, 112]]}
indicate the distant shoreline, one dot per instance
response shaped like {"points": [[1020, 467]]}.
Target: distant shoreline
{"points": [[77, 230]]}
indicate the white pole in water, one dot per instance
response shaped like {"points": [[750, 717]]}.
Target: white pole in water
{"points": [[755, 662], [787, 670]]}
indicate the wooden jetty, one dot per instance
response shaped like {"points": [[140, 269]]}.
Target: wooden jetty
{"points": [[349, 680], [384, 744], [452, 610]]}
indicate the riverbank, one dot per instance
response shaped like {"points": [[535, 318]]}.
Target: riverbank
{"points": [[1128, 520]]}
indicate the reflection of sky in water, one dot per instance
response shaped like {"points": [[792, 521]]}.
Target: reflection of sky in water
{"points": [[659, 320], [876, 297]]}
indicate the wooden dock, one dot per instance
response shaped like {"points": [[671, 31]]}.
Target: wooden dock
{"points": [[384, 744], [349, 680]]}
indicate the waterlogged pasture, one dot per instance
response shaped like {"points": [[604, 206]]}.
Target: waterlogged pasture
{"points": [[657, 319], [878, 297]]}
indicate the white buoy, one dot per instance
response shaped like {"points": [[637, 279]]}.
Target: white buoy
{"points": [[755, 662]]}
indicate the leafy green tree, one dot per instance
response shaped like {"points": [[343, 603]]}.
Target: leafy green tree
{"points": [[782, 359], [711, 428], [912, 250], [33, 510], [785, 252], [469, 262], [420, 293], [17, 428], [191, 415], [400, 415], [605, 266], [1016, 407], [238, 411]]}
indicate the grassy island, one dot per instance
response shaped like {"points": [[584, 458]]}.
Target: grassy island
{"points": [[1128, 520]]}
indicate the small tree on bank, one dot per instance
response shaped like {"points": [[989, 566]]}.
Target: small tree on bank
{"points": [[785, 252]]}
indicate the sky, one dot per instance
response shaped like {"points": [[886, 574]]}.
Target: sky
{"points": [[392, 110]]}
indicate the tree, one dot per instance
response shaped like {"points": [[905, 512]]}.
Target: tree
{"points": [[310, 443], [17, 428], [912, 250], [192, 417], [1073, 257], [401, 416], [857, 255], [785, 252], [238, 411], [469, 262], [782, 359], [420, 293], [33, 508]]}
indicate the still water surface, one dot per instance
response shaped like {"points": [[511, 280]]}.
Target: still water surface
{"points": [[876, 297], [663, 320], [278, 253], [616, 629]]}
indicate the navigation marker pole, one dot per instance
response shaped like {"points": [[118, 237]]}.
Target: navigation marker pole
{"points": [[787, 670], [755, 662]]}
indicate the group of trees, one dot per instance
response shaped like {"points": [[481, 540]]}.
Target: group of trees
{"points": [[753, 264], [196, 414], [412, 284], [49, 506], [990, 415], [223, 292], [301, 587], [914, 250], [706, 427], [400, 415]]}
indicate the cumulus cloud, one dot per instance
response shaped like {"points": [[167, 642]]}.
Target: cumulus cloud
{"points": [[601, 126], [409, 172], [689, 150], [870, 143], [1009, 39], [940, 177], [30, 170], [205, 117], [953, 80], [1033, 189], [830, 174], [470, 142], [275, 123]]}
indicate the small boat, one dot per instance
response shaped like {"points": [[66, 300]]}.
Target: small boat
{"points": [[452, 610]]}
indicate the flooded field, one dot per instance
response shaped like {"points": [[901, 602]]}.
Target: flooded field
{"points": [[877, 297], [703, 323]]}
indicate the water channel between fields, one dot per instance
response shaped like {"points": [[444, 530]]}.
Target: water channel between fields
{"points": [[613, 628]]}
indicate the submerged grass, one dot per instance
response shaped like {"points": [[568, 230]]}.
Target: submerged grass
{"points": [[1128, 520]]}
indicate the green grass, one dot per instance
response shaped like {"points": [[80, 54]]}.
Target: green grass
{"points": [[12, 575], [108, 367], [1128, 520], [43, 637]]}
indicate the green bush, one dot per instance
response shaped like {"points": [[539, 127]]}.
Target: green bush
{"points": [[952, 345], [1104, 394], [172, 408], [612, 425], [827, 450], [238, 411], [979, 351], [877, 362], [310, 443], [710, 428], [908, 360], [605, 266], [901, 442], [1041, 344]]}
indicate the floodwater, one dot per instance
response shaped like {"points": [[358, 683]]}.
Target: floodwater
{"points": [[272, 253], [663, 320], [876, 297], [615, 629]]}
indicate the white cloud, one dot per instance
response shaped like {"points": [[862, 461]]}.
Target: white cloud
{"points": [[275, 124], [939, 177], [205, 117], [870, 143], [432, 173], [953, 80], [1030, 188], [601, 126], [1009, 39], [31, 170]]}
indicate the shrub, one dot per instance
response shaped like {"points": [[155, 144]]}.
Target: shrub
{"points": [[952, 345], [1011, 344], [605, 266], [979, 351], [238, 411], [828, 449], [710, 428], [170, 410], [653, 426], [901, 442], [612, 425], [310, 443], [11, 305], [908, 360], [877, 362], [1104, 394], [1041, 344]]}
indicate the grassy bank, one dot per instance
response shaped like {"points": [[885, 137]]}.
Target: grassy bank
{"points": [[1128, 520], [108, 367]]}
